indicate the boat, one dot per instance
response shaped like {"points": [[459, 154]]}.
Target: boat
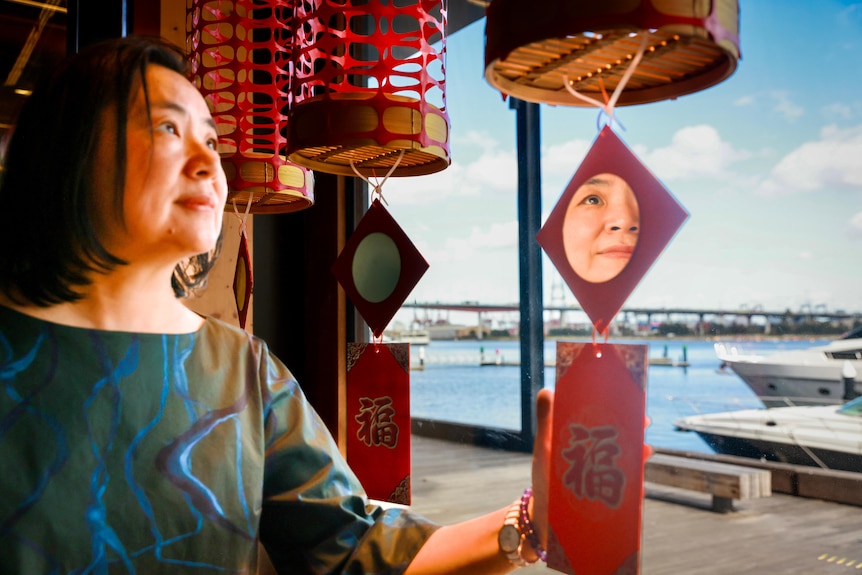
{"points": [[826, 436], [813, 376], [412, 336]]}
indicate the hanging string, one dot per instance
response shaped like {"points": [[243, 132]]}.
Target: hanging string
{"points": [[605, 332], [244, 287], [242, 218], [378, 187], [607, 108], [603, 115]]}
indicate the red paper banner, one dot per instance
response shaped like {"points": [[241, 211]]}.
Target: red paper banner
{"points": [[597, 459], [378, 418]]}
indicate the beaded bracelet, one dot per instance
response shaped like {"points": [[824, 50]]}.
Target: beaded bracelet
{"points": [[527, 526]]}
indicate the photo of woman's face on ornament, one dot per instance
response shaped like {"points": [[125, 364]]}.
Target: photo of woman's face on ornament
{"points": [[600, 228]]}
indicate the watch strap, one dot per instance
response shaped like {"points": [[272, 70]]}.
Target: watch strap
{"points": [[513, 520]]}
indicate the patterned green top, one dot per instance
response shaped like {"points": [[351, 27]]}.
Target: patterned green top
{"points": [[148, 453]]}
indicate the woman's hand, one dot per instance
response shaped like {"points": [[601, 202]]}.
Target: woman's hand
{"points": [[472, 547]]}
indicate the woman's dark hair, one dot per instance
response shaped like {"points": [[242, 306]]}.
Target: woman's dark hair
{"points": [[50, 243]]}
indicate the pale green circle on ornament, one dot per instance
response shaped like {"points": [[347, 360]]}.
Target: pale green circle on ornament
{"points": [[376, 267]]}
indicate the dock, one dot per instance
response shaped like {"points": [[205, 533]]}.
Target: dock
{"points": [[661, 361], [501, 363], [667, 362], [783, 533]]}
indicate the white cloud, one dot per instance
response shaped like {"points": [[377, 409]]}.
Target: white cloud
{"points": [[784, 106], [493, 168], [559, 163], [746, 100], [839, 110], [474, 138], [831, 161], [805, 255], [694, 151], [497, 236], [563, 159], [778, 101], [851, 15], [856, 226], [423, 190]]}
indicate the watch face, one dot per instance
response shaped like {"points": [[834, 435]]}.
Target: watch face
{"points": [[509, 538]]}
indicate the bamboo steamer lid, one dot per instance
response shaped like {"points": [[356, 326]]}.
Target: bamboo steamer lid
{"points": [[272, 184], [371, 132], [691, 45]]}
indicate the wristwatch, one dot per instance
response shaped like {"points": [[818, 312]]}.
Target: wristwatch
{"points": [[511, 539]]}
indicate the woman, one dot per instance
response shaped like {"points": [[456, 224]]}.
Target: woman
{"points": [[136, 435], [600, 230]]}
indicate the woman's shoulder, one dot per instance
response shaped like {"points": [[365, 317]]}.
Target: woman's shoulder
{"points": [[223, 334], [219, 339], [207, 327], [216, 327]]}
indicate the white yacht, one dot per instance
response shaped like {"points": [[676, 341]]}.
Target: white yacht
{"points": [[415, 336], [827, 436], [813, 376]]}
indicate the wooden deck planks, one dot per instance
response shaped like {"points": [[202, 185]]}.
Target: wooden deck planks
{"points": [[681, 536]]}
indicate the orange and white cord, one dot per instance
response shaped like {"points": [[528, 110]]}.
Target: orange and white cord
{"points": [[377, 188], [609, 104], [242, 218]]}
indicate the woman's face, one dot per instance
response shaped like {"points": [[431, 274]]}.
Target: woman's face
{"points": [[601, 226], [175, 186]]}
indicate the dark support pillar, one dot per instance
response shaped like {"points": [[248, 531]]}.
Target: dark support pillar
{"points": [[356, 206], [530, 265], [300, 310], [91, 21]]}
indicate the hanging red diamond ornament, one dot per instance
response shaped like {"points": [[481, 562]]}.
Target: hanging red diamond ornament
{"points": [[378, 267], [611, 223], [243, 280]]}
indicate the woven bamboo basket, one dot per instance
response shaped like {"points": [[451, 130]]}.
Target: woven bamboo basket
{"points": [[690, 45], [274, 187], [371, 131]]}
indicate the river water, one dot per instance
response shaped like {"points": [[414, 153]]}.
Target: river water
{"points": [[454, 386]]}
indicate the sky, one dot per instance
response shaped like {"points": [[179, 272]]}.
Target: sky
{"points": [[768, 164]]}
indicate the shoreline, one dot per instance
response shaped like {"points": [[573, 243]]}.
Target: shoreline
{"points": [[660, 338]]}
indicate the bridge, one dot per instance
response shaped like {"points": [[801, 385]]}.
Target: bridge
{"points": [[805, 313]]}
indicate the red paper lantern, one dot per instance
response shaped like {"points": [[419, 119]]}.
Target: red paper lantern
{"points": [[532, 53], [240, 51], [368, 84]]}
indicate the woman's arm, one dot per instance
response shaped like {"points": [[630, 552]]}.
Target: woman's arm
{"points": [[467, 548], [471, 547]]}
